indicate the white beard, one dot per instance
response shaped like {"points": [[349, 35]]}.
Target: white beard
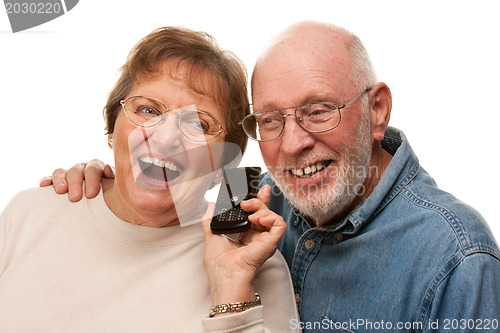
{"points": [[323, 202]]}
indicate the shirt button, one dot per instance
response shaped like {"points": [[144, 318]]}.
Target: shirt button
{"points": [[339, 237], [309, 244], [297, 298]]}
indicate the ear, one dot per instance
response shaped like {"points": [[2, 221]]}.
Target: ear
{"points": [[380, 108], [217, 179], [110, 140]]}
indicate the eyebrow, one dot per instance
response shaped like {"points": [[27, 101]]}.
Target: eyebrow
{"points": [[313, 98], [319, 97]]}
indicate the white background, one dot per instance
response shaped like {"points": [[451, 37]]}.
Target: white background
{"points": [[440, 59]]}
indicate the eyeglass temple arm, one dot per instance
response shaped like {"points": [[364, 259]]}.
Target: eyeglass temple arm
{"points": [[354, 98]]}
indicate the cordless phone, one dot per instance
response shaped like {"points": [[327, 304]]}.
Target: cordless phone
{"points": [[238, 184]]}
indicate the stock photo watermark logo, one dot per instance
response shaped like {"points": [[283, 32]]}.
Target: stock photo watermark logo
{"points": [[25, 14]]}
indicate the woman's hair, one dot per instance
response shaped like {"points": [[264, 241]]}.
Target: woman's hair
{"points": [[208, 69]]}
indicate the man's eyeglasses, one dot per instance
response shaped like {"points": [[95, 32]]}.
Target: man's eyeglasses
{"points": [[314, 117], [195, 125]]}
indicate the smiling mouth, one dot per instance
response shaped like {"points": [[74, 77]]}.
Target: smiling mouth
{"points": [[310, 170], [159, 170]]}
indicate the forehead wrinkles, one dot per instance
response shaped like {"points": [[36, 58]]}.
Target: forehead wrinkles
{"points": [[283, 81], [304, 55]]}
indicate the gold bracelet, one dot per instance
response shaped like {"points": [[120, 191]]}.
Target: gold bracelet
{"points": [[238, 306]]}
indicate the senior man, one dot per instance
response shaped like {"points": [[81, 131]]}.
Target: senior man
{"points": [[372, 243]]}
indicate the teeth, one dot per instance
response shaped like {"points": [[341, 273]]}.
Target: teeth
{"points": [[308, 169], [160, 163]]}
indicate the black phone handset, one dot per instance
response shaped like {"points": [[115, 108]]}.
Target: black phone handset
{"points": [[238, 184]]}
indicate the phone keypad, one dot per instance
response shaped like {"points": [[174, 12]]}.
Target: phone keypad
{"points": [[235, 214]]}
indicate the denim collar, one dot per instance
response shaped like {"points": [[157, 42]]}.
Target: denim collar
{"points": [[401, 170], [403, 167]]}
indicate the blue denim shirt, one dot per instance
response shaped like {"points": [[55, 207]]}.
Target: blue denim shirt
{"points": [[409, 258]]}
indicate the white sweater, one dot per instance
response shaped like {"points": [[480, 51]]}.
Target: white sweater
{"points": [[76, 267]]}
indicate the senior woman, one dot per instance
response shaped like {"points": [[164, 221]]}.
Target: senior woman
{"points": [[132, 259]]}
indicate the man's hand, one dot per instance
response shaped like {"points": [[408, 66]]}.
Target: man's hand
{"points": [[231, 265], [71, 181]]}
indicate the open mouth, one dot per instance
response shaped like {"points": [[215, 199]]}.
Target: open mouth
{"points": [[159, 170], [310, 170]]}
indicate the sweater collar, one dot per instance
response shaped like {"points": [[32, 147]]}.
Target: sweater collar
{"points": [[141, 235]]}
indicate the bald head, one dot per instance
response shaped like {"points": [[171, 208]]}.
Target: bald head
{"points": [[320, 45], [313, 35]]}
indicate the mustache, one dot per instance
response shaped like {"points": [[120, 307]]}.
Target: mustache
{"points": [[303, 160]]}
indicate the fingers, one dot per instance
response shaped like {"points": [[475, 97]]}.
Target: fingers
{"points": [[109, 171], [63, 181], [263, 220], [264, 194], [269, 221], [74, 179], [267, 241], [71, 181], [59, 181], [253, 205], [45, 181], [262, 217], [93, 174]]}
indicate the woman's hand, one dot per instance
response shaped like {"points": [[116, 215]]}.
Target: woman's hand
{"points": [[231, 265], [71, 181]]}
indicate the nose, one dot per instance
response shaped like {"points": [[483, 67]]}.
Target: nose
{"points": [[167, 133], [295, 139]]}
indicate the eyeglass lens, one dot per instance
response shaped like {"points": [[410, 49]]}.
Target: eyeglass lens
{"points": [[195, 125], [315, 117]]}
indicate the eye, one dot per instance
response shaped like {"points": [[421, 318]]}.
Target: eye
{"points": [[197, 125], [147, 111], [197, 122], [319, 111], [268, 120]]}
